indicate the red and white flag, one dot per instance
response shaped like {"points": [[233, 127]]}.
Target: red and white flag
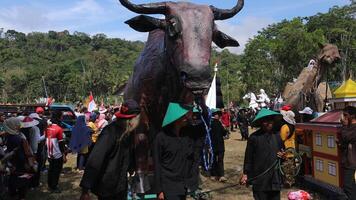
{"points": [[91, 104]]}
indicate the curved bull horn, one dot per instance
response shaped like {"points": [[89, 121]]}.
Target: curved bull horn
{"points": [[150, 8], [221, 14]]}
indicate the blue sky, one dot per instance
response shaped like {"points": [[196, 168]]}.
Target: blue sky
{"points": [[108, 16]]}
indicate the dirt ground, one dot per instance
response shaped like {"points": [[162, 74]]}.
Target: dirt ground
{"points": [[234, 155]]}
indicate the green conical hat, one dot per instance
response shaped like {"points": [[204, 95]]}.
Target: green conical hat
{"points": [[214, 110], [195, 110], [262, 114], [174, 112]]}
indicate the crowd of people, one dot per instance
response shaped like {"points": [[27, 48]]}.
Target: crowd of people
{"points": [[32, 143]]}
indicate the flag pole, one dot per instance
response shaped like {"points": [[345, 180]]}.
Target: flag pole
{"points": [[44, 86]]}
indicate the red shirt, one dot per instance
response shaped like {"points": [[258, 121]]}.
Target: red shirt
{"points": [[54, 135], [225, 119]]}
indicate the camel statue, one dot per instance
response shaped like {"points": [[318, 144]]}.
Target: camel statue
{"points": [[307, 89]]}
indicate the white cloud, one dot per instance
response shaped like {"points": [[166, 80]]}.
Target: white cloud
{"points": [[83, 8], [242, 32], [80, 15], [22, 19]]}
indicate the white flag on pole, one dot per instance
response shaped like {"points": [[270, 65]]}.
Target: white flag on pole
{"points": [[211, 98]]}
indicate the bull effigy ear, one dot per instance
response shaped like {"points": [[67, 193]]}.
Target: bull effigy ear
{"points": [[222, 40], [143, 23]]}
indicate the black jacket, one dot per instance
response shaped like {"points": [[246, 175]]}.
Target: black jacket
{"points": [[261, 153], [197, 135], [107, 166], [217, 136], [348, 146], [173, 161]]}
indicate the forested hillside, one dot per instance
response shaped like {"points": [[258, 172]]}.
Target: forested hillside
{"points": [[71, 65]]}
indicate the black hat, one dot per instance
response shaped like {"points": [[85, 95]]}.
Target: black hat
{"points": [[129, 109]]}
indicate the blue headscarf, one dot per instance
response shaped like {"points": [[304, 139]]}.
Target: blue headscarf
{"points": [[81, 134]]}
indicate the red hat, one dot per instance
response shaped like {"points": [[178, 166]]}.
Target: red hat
{"points": [[129, 109], [286, 107], [28, 122], [39, 110]]}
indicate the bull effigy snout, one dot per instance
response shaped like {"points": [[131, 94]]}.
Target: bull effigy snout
{"points": [[196, 79]]}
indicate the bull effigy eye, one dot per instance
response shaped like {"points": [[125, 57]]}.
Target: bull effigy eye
{"points": [[174, 28]]}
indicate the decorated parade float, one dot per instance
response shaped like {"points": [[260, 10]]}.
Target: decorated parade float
{"points": [[322, 170]]}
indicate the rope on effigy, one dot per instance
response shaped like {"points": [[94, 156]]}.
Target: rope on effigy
{"points": [[207, 159], [201, 194], [276, 164]]}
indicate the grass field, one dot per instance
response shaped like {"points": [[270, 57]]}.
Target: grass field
{"points": [[234, 155]]}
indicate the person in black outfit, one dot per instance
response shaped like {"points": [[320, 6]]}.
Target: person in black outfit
{"points": [[173, 155], [264, 147], [218, 132], [243, 124], [17, 144], [196, 132], [232, 119], [348, 151], [105, 173]]}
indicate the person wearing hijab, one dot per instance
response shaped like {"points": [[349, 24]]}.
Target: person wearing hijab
{"points": [[106, 170], [287, 133], [263, 149], [80, 141], [19, 178], [94, 129]]}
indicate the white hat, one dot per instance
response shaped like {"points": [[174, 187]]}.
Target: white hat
{"points": [[35, 116], [288, 116], [306, 110], [102, 110], [12, 125], [20, 117], [28, 122]]}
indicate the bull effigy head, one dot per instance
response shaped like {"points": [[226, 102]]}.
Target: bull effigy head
{"points": [[190, 30]]}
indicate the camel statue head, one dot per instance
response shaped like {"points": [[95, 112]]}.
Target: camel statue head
{"points": [[329, 54]]}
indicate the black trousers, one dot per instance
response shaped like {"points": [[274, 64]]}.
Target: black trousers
{"points": [[18, 186], [267, 195], [218, 164], [120, 196], [54, 171], [35, 181], [244, 132], [175, 197], [349, 183]]}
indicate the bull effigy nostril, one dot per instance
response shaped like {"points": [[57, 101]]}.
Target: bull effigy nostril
{"points": [[183, 75]]}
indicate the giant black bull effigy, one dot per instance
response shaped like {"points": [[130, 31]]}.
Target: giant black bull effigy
{"points": [[174, 65]]}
